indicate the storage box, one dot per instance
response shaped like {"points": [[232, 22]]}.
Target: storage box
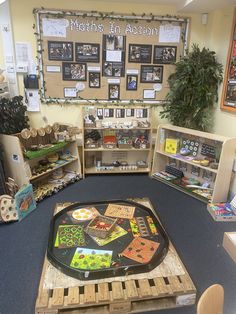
{"points": [[171, 145], [101, 226], [229, 243]]}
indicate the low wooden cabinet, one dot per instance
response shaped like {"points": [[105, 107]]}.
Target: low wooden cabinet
{"points": [[117, 140], [201, 163]]}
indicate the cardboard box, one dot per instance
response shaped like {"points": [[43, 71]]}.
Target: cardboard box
{"points": [[229, 243]]}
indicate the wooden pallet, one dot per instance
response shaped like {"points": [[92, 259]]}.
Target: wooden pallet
{"points": [[117, 297]]}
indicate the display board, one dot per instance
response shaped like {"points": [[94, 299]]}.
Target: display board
{"points": [[105, 57], [228, 101]]}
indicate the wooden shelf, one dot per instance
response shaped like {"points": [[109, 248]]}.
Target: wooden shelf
{"points": [[187, 161], [115, 149], [118, 129], [182, 189], [223, 152], [53, 169], [46, 151], [93, 170], [95, 156]]}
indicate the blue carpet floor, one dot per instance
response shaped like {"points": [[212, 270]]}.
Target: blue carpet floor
{"points": [[195, 235]]}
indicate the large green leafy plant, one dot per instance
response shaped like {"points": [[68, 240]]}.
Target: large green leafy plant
{"points": [[193, 90], [13, 117]]}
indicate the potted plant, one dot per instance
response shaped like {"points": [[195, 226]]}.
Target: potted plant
{"points": [[13, 117], [193, 90]]}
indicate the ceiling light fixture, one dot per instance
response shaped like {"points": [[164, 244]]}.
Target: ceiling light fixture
{"points": [[1, 1]]}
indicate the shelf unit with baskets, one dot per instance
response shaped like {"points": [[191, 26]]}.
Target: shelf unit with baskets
{"points": [[117, 139]]}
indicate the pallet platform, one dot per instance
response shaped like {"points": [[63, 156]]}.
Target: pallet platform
{"points": [[129, 296]]}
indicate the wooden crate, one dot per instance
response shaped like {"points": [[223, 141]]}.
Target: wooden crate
{"points": [[118, 296]]}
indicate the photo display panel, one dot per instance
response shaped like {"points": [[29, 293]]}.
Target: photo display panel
{"points": [[107, 57]]}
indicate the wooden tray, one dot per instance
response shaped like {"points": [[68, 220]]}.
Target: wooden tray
{"points": [[118, 296]]}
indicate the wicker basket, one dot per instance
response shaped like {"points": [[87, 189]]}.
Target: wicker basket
{"points": [[101, 226]]}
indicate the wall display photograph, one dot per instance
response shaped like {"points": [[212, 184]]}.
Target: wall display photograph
{"points": [[113, 55], [94, 79], [131, 82], [72, 71], [151, 74], [87, 52], [228, 101], [140, 53], [60, 51], [164, 54], [113, 91], [77, 45]]}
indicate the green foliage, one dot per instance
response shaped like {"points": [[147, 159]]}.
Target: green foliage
{"points": [[12, 115], [193, 90]]}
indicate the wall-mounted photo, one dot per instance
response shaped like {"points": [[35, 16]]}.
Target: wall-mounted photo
{"points": [[72, 71], [60, 50], [113, 69], [131, 82], [94, 79], [113, 91], [113, 42], [120, 113], [140, 53], [164, 54], [151, 74], [87, 52]]}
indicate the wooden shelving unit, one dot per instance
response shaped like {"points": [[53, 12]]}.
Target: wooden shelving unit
{"points": [[217, 179], [123, 122], [20, 168]]}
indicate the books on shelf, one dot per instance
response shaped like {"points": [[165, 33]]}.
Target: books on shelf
{"points": [[222, 211], [164, 175]]}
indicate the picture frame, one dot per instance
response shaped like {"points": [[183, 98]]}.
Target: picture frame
{"points": [[228, 98], [94, 79], [113, 91], [114, 42], [151, 74], [140, 53], [131, 82], [60, 51], [100, 113], [87, 52], [73, 71], [120, 113], [129, 112], [115, 69], [164, 54]]}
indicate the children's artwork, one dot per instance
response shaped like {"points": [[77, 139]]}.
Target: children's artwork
{"points": [[115, 234], [143, 226], [90, 259], [83, 214], [25, 202], [70, 236], [141, 250], [120, 211]]}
